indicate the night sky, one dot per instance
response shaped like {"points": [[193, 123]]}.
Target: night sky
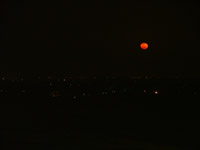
{"points": [[100, 38]]}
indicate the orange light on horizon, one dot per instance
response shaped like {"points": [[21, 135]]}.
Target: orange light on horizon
{"points": [[144, 46]]}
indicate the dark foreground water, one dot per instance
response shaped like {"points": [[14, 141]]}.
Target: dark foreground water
{"points": [[100, 114]]}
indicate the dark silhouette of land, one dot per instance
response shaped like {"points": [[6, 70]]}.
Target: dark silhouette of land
{"points": [[100, 113]]}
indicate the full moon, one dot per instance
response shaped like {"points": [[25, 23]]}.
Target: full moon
{"points": [[144, 46]]}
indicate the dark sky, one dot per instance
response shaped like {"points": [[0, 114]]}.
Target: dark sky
{"points": [[100, 38]]}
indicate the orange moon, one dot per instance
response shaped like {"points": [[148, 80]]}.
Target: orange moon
{"points": [[144, 46]]}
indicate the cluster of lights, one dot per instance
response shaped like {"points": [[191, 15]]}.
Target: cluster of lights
{"points": [[112, 90], [155, 92], [104, 93]]}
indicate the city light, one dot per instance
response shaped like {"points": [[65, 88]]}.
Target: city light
{"points": [[156, 92]]}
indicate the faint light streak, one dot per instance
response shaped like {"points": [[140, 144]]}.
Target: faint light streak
{"points": [[104, 93], [55, 94], [113, 92], [125, 90]]}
